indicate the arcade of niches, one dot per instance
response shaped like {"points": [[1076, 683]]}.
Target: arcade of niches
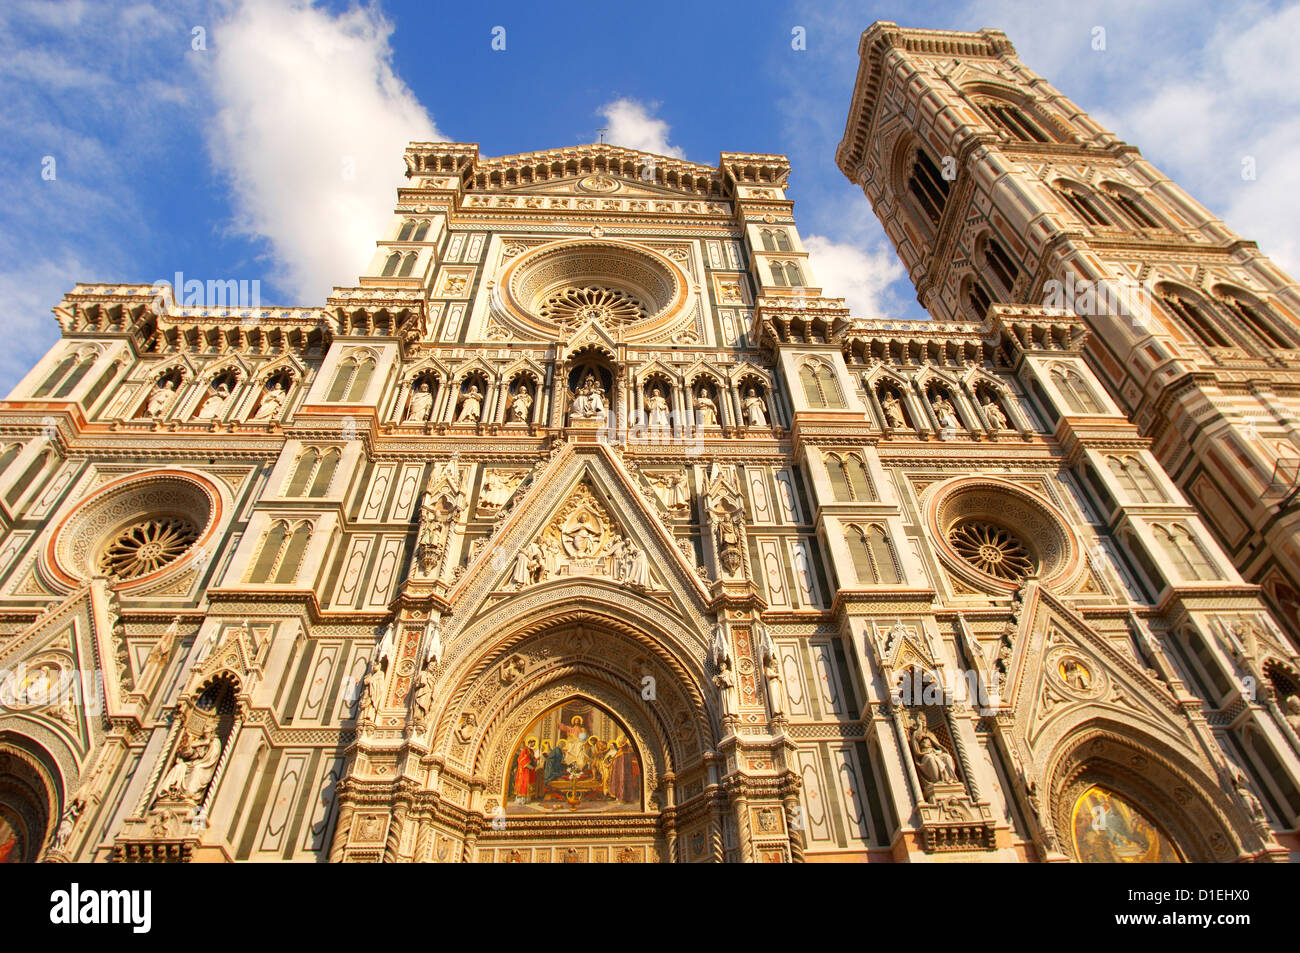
{"points": [[584, 528]]}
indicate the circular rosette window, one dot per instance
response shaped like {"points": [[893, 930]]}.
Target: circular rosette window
{"points": [[136, 530], [625, 288], [995, 535]]}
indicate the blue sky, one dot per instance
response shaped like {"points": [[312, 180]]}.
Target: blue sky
{"points": [[271, 152]]}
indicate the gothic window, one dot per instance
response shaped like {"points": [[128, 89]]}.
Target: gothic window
{"points": [[1078, 395], [776, 239], [1136, 479], [1000, 263], [352, 378], [873, 557], [98, 387], [67, 375], [420, 231], [928, 187], [390, 266], [1255, 318], [991, 548], [8, 456], [849, 479], [314, 472], [786, 273], [1083, 204], [819, 384], [29, 477], [281, 553], [1184, 552], [1130, 208], [978, 298], [1012, 121], [407, 228], [407, 265], [1193, 318]]}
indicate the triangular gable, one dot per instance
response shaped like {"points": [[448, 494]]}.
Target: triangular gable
{"points": [[1062, 671], [589, 497]]}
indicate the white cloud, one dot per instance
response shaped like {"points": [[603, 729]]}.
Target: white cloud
{"points": [[859, 273], [632, 126], [310, 131]]}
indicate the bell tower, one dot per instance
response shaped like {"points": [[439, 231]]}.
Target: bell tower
{"points": [[997, 189]]}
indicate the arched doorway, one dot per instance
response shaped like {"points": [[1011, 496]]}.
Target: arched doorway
{"points": [[30, 795], [1118, 797]]}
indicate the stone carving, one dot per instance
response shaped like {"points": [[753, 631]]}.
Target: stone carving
{"points": [[893, 408], [422, 696], [589, 400], [944, 413], [498, 487], [192, 770], [521, 406], [1254, 809], [214, 405], [471, 406], [271, 405], [755, 409], [67, 824], [440, 508], [994, 415], [160, 398], [370, 688], [672, 489], [582, 540], [934, 765], [771, 670], [1292, 705], [433, 642], [726, 511], [421, 405], [706, 411], [656, 406]]}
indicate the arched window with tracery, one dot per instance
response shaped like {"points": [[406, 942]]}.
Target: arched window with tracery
{"points": [[1129, 207], [281, 553], [775, 239], [408, 264], [1083, 204], [1183, 551], [8, 456], [1193, 317], [978, 298], [29, 477], [1012, 121], [1000, 264], [67, 375], [820, 385], [849, 479], [352, 378], [928, 187], [1078, 395], [873, 557], [314, 472], [390, 266], [1253, 317], [1135, 479]]}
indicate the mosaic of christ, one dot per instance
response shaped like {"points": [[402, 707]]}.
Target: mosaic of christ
{"points": [[1110, 830], [576, 757]]}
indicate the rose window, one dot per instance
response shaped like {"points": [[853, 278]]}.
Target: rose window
{"points": [[992, 549], [608, 306], [146, 546]]}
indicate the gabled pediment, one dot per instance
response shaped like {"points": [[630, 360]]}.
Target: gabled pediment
{"points": [[583, 517], [1063, 672]]}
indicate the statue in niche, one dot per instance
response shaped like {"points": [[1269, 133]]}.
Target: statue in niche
{"points": [[589, 401], [706, 411], [725, 682], [422, 697], [521, 406], [944, 413], [214, 405], [160, 398], [66, 824], [933, 762], [771, 670], [272, 404], [726, 510], [471, 406], [1291, 707], [994, 415], [196, 760], [1258, 816], [656, 406], [383, 656], [893, 408], [370, 689], [433, 642], [755, 409], [421, 405]]}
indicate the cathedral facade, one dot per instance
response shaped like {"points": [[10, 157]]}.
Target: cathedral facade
{"points": [[584, 528]]}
